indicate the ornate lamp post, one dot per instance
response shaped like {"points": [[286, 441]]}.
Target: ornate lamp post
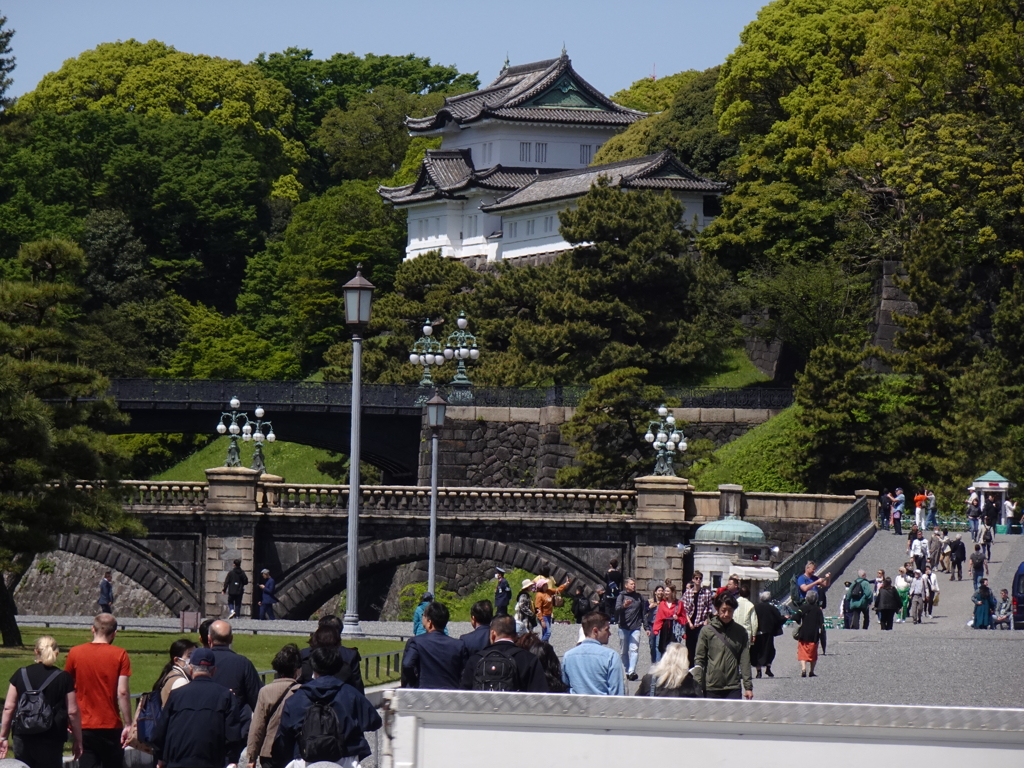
{"points": [[461, 346], [426, 351], [240, 425], [667, 439], [358, 298], [435, 420]]}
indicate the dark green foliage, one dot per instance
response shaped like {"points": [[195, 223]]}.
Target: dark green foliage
{"points": [[607, 431], [636, 296], [52, 409], [808, 305], [6, 62], [151, 454]]}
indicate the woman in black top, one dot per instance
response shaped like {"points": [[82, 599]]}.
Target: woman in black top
{"points": [[548, 661], [43, 750], [671, 676]]}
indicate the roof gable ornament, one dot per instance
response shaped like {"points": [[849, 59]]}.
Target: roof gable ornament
{"points": [[565, 93]]}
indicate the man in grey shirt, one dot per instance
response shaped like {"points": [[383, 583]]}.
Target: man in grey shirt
{"points": [[631, 612]]}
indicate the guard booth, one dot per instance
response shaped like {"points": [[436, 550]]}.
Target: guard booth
{"points": [[994, 484]]}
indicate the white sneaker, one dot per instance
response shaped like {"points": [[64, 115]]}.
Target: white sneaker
{"points": [[231, 615]]}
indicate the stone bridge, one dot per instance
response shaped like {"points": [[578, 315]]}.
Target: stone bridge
{"points": [[195, 530], [507, 437]]}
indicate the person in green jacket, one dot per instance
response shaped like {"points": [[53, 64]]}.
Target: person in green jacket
{"points": [[862, 595], [723, 654]]}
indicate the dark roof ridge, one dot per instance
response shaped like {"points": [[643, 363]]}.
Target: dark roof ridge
{"points": [[522, 69]]}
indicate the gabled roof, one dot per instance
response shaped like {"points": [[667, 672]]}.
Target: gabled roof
{"points": [[546, 91], [660, 171], [448, 173]]}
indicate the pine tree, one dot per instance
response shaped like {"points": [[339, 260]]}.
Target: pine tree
{"points": [[6, 63]]}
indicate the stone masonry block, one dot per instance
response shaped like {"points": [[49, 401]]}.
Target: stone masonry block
{"points": [[752, 415], [717, 415], [524, 415], [493, 414]]}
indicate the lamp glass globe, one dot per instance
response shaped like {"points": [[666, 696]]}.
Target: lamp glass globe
{"points": [[234, 403], [221, 429], [271, 437], [663, 411], [233, 429], [463, 323]]}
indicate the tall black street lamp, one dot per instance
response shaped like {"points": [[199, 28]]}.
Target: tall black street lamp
{"points": [[358, 297], [461, 346], [435, 420], [426, 351], [240, 425]]}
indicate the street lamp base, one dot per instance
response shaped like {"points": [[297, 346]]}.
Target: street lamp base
{"points": [[351, 628]]}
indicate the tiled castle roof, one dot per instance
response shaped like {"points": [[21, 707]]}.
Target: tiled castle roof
{"points": [[545, 91], [447, 173], [659, 171]]}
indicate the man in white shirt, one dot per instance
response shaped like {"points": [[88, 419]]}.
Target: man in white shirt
{"points": [[917, 592]]}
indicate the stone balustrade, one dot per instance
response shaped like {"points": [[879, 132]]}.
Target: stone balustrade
{"points": [[149, 495]]}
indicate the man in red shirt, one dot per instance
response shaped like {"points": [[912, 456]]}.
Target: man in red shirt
{"points": [[101, 671]]}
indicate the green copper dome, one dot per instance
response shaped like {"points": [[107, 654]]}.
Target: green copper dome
{"points": [[732, 530]]}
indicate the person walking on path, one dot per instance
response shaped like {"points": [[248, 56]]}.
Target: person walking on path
{"points": [[809, 581], [812, 622], [919, 551], [902, 585], [698, 602], [652, 615], [931, 583], [671, 676], [884, 508], [979, 565], [745, 614], [986, 534], [592, 668], [935, 548], [631, 612], [200, 722], [268, 596], [917, 597], [417, 615], [670, 621], [612, 585], [236, 673], [957, 556], [101, 672], [480, 616], [862, 596], [1009, 511], [984, 604], [483, 668], [932, 518], [354, 714], [266, 717], [889, 602], [543, 604], [502, 593], [432, 660], [769, 626], [974, 516], [898, 503], [45, 749], [723, 654], [234, 588], [106, 599], [920, 500], [525, 618]]}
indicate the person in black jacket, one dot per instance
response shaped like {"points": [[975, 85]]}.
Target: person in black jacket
{"points": [[529, 672], [502, 593], [769, 626], [480, 616], [199, 723], [433, 660], [236, 673], [328, 633], [234, 588]]}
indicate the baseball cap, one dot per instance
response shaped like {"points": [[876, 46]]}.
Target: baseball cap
{"points": [[202, 657]]}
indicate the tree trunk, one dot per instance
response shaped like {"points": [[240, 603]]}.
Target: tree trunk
{"points": [[8, 617]]}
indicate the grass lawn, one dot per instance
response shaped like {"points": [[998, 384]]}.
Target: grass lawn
{"points": [[296, 463], [148, 651], [736, 371]]}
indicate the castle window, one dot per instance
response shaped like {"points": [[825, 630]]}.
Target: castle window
{"points": [[524, 151], [549, 223], [512, 229], [586, 153], [530, 228], [540, 150]]}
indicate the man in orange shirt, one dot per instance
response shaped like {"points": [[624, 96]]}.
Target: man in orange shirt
{"points": [[543, 606], [920, 503], [101, 671]]}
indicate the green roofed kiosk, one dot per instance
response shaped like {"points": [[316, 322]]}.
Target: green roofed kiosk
{"points": [[992, 483]]}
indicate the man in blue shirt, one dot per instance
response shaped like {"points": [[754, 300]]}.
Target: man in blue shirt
{"points": [[592, 668], [809, 580], [897, 512]]}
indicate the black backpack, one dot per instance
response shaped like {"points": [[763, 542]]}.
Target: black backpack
{"points": [[33, 714], [495, 672], [857, 593], [320, 739]]}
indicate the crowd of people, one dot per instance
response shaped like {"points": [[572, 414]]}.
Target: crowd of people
{"points": [[207, 708]]}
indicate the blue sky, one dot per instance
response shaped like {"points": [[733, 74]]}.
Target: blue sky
{"points": [[611, 44]]}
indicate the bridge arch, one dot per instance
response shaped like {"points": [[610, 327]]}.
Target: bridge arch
{"points": [[162, 580], [309, 586]]}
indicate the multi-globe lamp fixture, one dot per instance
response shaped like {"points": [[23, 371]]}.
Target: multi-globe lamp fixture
{"points": [[666, 439], [237, 425]]}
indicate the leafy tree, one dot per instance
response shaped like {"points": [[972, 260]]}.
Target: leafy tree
{"points": [[688, 127], [118, 268], [607, 431], [651, 94], [601, 313], [369, 139], [52, 410], [427, 287], [6, 63], [808, 305]]}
